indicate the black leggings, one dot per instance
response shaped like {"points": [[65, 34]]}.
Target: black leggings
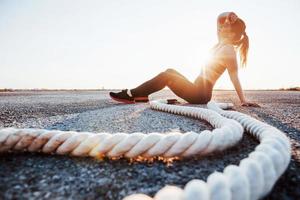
{"points": [[199, 92]]}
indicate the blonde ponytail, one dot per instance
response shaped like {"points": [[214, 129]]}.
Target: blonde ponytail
{"points": [[243, 46], [243, 50]]}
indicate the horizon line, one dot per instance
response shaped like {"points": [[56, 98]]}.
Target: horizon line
{"points": [[103, 89]]}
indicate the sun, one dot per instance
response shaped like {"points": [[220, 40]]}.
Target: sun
{"points": [[207, 58]]}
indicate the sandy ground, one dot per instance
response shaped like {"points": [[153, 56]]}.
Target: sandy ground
{"points": [[37, 176]]}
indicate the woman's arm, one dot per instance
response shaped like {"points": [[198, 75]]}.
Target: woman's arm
{"points": [[232, 68], [237, 85]]}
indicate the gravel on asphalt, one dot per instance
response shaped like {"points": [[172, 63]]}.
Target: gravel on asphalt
{"points": [[36, 176]]}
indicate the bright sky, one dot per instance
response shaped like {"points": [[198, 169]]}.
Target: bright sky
{"points": [[120, 44]]}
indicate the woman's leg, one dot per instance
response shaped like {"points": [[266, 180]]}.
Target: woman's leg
{"points": [[173, 71], [180, 85], [155, 84]]}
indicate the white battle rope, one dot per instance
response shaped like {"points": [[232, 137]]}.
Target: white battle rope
{"points": [[252, 179]]}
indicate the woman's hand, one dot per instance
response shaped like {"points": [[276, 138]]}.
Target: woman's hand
{"points": [[249, 104]]}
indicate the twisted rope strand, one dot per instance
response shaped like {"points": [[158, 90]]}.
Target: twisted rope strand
{"points": [[129, 145], [252, 179]]}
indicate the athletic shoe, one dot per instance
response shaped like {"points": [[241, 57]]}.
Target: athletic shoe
{"points": [[125, 98]]}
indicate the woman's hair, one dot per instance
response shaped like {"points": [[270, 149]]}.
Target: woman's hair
{"points": [[241, 40]]}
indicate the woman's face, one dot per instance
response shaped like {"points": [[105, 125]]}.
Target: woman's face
{"points": [[225, 20], [226, 34]]}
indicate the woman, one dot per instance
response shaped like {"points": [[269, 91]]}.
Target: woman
{"points": [[231, 37]]}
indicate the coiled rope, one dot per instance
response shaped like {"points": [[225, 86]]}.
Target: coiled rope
{"points": [[252, 179]]}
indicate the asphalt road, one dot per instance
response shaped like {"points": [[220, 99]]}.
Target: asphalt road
{"points": [[36, 176]]}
